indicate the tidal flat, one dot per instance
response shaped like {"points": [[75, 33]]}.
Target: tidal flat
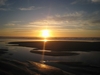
{"points": [[62, 58], [61, 45]]}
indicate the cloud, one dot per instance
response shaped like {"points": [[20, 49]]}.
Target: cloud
{"points": [[4, 9], [66, 21], [79, 20], [85, 1], [13, 23], [76, 20], [4, 5], [95, 0], [96, 21], [2, 2], [45, 22], [74, 2], [68, 17], [10, 24], [30, 8], [80, 1]]}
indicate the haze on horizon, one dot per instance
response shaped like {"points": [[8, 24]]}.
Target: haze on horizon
{"points": [[64, 18]]}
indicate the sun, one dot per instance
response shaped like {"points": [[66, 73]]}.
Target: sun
{"points": [[45, 33]]}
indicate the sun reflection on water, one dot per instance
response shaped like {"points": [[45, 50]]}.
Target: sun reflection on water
{"points": [[45, 35]]}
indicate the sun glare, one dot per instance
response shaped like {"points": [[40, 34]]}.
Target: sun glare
{"points": [[45, 33]]}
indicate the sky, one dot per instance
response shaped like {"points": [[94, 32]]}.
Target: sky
{"points": [[64, 18]]}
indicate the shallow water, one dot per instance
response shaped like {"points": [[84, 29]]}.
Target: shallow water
{"points": [[24, 54]]}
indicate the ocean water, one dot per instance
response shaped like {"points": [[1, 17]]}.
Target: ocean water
{"points": [[24, 54]]}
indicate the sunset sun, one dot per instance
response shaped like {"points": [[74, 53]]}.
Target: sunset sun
{"points": [[45, 33]]}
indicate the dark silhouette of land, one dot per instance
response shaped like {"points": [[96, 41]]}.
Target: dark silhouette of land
{"points": [[61, 45], [55, 53]]}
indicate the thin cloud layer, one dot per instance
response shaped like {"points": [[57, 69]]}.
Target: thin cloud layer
{"points": [[28, 8], [85, 1], [2, 2], [95, 0], [76, 20]]}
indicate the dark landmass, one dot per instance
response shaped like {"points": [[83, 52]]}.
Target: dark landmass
{"points": [[55, 53], [1, 41], [51, 38], [61, 45], [15, 67], [77, 64]]}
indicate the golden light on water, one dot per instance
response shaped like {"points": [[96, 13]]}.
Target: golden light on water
{"points": [[45, 40], [43, 66], [43, 51], [45, 34]]}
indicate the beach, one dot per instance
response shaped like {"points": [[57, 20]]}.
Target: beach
{"points": [[60, 58]]}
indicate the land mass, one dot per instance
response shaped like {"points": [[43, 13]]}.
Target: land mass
{"points": [[61, 45]]}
